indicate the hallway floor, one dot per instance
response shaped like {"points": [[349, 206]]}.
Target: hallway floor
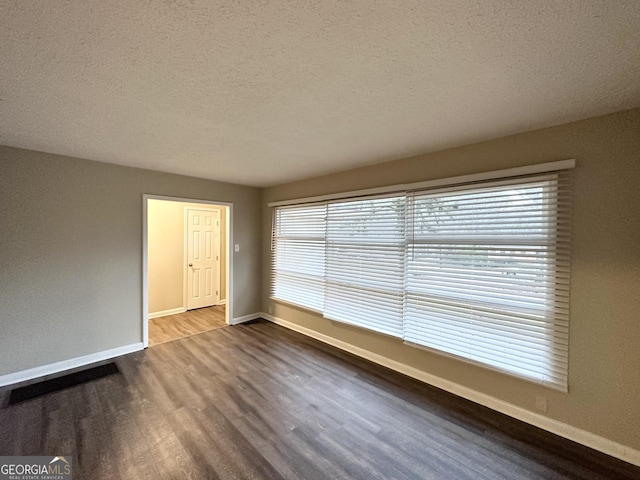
{"points": [[173, 327]]}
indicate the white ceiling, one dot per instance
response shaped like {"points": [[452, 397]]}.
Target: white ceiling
{"points": [[262, 92]]}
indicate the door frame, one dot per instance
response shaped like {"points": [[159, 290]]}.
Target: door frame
{"points": [[185, 271], [145, 256]]}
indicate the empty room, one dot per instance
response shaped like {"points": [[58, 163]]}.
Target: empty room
{"points": [[320, 239]]}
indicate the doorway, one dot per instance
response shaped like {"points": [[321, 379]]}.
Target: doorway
{"points": [[187, 267]]}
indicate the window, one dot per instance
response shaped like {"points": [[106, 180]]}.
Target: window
{"points": [[487, 276], [365, 263], [298, 255], [480, 271]]}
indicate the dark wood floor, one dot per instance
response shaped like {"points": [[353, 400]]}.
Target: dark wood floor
{"points": [[257, 401], [181, 325]]}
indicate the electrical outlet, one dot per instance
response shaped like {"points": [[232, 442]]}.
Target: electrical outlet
{"points": [[270, 309], [541, 403], [236, 248]]}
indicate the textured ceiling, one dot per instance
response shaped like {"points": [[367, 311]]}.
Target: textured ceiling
{"points": [[264, 92]]}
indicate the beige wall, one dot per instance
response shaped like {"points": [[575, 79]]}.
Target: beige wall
{"points": [[166, 253], [165, 235], [604, 364], [71, 253]]}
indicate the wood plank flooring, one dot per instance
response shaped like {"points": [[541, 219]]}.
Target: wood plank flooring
{"points": [[257, 401], [192, 322]]}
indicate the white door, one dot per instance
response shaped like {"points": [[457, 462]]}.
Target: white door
{"points": [[203, 258]]}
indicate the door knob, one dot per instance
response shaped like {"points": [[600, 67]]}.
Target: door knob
{"points": [[191, 264]]}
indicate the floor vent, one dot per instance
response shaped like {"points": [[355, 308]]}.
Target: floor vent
{"points": [[56, 384]]}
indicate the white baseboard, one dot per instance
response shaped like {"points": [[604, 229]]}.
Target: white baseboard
{"points": [[164, 313], [223, 302], [247, 318], [31, 373], [570, 432]]}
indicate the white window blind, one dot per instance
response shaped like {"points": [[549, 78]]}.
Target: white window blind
{"points": [[488, 275], [298, 251], [479, 271], [365, 258]]}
